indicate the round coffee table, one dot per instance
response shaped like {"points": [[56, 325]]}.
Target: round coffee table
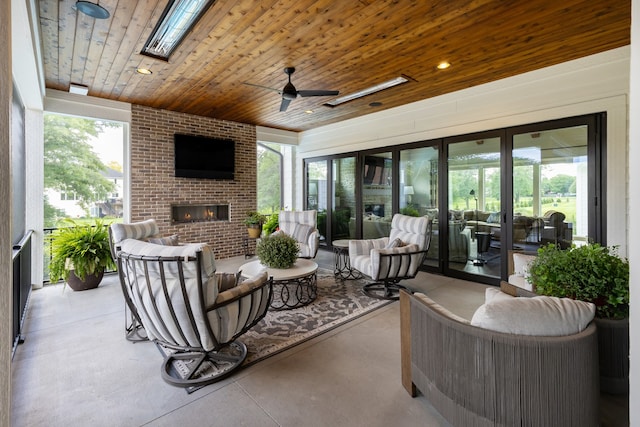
{"points": [[342, 269], [292, 287]]}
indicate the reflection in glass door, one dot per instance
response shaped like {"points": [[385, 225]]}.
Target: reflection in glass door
{"points": [[317, 193], [343, 215], [419, 191], [377, 205], [550, 188], [474, 219]]}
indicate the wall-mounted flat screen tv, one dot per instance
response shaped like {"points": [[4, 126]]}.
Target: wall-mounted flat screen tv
{"points": [[203, 157]]}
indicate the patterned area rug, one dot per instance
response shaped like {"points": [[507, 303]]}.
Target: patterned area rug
{"points": [[337, 303]]}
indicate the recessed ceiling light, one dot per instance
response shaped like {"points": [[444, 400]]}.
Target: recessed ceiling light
{"points": [[309, 111], [444, 65], [375, 104], [144, 71]]}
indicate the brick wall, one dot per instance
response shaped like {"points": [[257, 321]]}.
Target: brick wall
{"points": [[154, 188]]}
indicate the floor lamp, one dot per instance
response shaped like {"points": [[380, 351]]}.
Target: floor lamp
{"points": [[472, 193]]}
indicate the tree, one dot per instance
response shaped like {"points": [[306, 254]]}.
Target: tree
{"points": [[70, 165], [269, 179], [558, 184]]}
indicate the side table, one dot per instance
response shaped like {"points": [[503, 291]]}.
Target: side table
{"points": [[292, 287], [342, 268]]}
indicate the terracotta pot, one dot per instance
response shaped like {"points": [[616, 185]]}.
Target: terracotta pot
{"points": [[91, 281], [613, 352], [254, 233]]}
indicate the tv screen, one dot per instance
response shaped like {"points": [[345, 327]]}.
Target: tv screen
{"points": [[202, 157]]}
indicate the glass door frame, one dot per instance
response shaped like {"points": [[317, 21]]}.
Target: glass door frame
{"points": [[443, 212]]}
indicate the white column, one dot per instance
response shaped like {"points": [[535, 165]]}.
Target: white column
{"points": [[34, 206]]}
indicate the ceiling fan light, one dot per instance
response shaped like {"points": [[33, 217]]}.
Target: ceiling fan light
{"points": [[93, 10]]}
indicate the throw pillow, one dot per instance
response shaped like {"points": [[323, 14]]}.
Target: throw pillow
{"points": [[301, 233], [166, 241], [395, 243], [540, 316], [226, 281]]}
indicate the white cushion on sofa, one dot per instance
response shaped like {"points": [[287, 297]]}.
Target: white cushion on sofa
{"points": [[541, 316]]}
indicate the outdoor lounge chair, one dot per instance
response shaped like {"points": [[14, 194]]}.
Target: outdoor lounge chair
{"points": [[388, 260], [192, 312]]}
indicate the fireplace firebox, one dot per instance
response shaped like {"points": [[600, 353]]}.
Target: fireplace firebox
{"points": [[199, 213]]}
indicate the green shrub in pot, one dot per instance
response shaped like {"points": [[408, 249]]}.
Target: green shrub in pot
{"points": [[277, 250], [590, 272], [83, 249]]}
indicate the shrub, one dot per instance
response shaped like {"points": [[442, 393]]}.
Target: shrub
{"points": [[591, 272], [277, 251], [81, 248]]}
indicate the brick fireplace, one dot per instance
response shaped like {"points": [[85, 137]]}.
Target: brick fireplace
{"points": [[155, 191]]}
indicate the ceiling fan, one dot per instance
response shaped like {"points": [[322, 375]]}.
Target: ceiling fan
{"points": [[289, 92]]}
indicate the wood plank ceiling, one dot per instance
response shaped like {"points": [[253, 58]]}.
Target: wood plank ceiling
{"points": [[344, 45]]}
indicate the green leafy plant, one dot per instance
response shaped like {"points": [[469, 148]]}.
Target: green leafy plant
{"points": [[591, 272], [81, 248], [409, 211], [254, 218], [271, 223], [277, 251]]}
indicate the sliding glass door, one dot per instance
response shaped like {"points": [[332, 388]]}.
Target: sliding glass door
{"points": [[343, 212], [474, 217], [316, 193], [488, 194], [551, 186], [419, 191], [377, 200]]}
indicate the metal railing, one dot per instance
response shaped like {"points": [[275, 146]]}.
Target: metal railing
{"points": [[21, 258]]}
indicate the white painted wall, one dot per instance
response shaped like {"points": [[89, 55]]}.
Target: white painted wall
{"points": [[634, 211], [588, 85]]}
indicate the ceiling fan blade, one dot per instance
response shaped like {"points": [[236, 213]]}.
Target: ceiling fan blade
{"points": [[318, 92], [285, 104], [263, 87]]}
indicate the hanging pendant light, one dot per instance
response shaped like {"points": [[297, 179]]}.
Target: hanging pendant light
{"points": [[92, 9]]}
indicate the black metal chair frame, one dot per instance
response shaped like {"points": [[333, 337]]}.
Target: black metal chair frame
{"points": [[389, 288], [133, 329], [224, 359]]}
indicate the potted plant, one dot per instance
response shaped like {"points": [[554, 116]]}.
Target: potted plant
{"points": [[80, 254], [596, 274], [277, 251], [271, 224], [254, 221]]}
